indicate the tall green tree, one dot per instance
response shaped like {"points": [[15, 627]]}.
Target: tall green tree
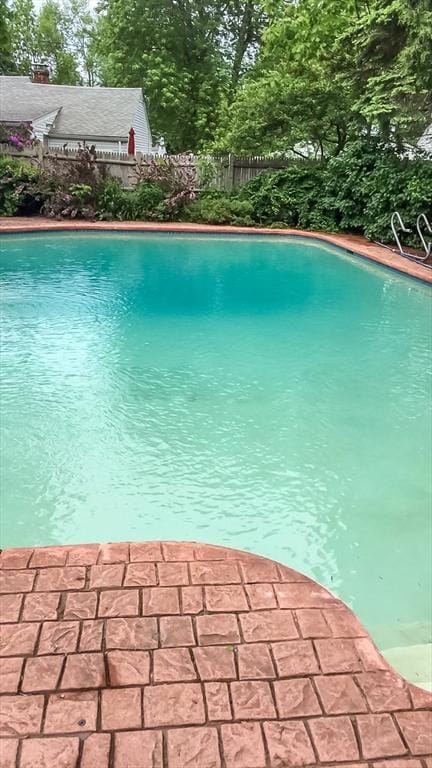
{"points": [[391, 66], [23, 35], [188, 56], [80, 32], [60, 34], [294, 98], [328, 71], [52, 44], [5, 39]]}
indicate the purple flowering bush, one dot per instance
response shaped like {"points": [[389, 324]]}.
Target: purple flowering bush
{"points": [[19, 136], [15, 141]]}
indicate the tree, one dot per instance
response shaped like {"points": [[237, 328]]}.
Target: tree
{"points": [[23, 35], [60, 34], [330, 71], [5, 39], [80, 32], [187, 55], [52, 44], [295, 94], [391, 68]]}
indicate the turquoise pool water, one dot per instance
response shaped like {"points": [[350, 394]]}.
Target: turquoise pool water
{"points": [[264, 393]]}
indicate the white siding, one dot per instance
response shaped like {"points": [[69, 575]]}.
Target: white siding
{"points": [[425, 142], [56, 142], [141, 126], [42, 124]]}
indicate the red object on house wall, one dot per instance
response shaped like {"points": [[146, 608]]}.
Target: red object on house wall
{"points": [[131, 142]]}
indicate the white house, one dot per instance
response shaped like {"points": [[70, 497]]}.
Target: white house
{"points": [[68, 115], [425, 142]]}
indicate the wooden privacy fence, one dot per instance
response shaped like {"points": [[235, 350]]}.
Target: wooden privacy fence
{"points": [[231, 171], [226, 172], [121, 166]]}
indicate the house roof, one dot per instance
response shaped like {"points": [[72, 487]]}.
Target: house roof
{"points": [[82, 112]]}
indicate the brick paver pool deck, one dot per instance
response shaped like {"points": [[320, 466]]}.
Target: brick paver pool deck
{"points": [[183, 655]]}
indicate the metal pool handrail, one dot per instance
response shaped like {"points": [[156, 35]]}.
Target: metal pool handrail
{"points": [[426, 246], [396, 216]]}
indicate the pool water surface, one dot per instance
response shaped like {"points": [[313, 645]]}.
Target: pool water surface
{"points": [[270, 394]]}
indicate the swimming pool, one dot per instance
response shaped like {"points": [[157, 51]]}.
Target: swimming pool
{"points": [[271, 394]]}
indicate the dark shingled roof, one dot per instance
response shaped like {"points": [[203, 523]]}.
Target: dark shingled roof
{"points": [[82, 111]]}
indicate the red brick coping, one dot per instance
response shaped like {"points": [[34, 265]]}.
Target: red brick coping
{"points": [[352, 243], [185, 655]]}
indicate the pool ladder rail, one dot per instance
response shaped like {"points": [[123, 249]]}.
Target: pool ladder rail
{"points": [[427, 246], [398, 226]]}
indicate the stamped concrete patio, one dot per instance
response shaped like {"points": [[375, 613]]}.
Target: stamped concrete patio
{"points": [[181, 655]]}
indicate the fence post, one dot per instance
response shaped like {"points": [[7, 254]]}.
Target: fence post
{"points": [[231, 171], [40, 153]]}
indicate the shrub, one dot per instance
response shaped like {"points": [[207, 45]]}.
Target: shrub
{"points": [[369, 180], [19, 193], [293, 196], [71, 188], [145, 201], [18, 137], [175, 176], [356, 191], [219, 208], [114, 202], [149, 201]]}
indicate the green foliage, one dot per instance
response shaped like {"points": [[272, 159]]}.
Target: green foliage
{"points": [[188, 57], [329, 71], [390, 68], [22, 34], [301, 77], [145, 202], [114, 202], [51, 42], [220, 208], [19, 193], [6, 64], [82, 192], [357, 191], [206, 172], [370, 180], [60, 33], [292, 195]]}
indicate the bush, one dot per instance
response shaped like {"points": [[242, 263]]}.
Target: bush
{"points": [[149, 201], [356, 191], [114, 202], [368, 181], [71, 188], [219, 208], [19, 193], [145, 202], [175, 176], [18, 137], [291, 195]]}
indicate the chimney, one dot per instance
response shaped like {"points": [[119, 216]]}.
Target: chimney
{"points": [[40, 74]]}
